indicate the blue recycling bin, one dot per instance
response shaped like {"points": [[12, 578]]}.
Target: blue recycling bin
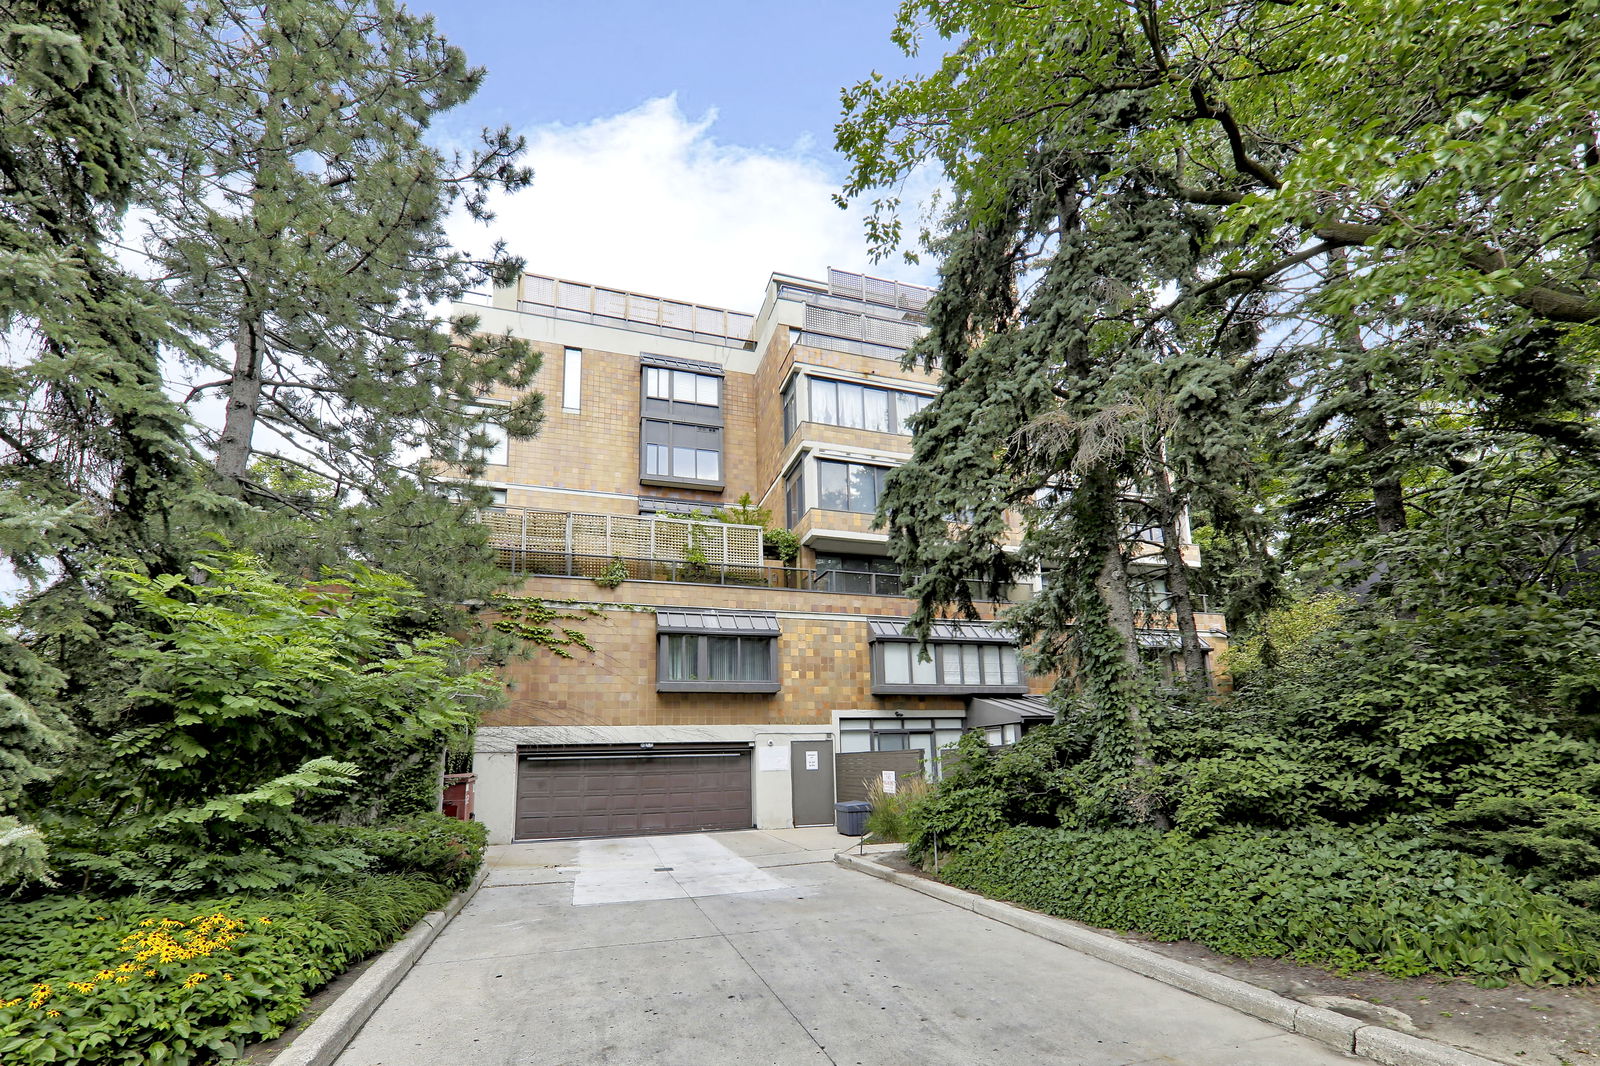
{"points": [[850, 819]]}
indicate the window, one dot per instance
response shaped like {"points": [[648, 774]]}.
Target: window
{"points": [[716, 651], [927, 735], [681, 386], [795, 498], [495, 451], [965, 657], [691, 657], [791, 420], [849, 486], [841, 403], [571, 379], [680, 433], [679, 452]]}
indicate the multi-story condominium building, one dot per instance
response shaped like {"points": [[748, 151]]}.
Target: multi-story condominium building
{"points": [[727, 688]]}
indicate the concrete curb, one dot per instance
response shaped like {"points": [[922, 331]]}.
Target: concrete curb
{"points": [[1324, 1026], [336, 1026]]}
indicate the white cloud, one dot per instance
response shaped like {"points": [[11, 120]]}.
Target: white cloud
{"points": [[649, 200]]}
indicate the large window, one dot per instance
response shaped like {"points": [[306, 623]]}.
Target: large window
{"points": [[953, 665], [697, 657], [678, 451], [849, 486], [840, 403], [680, 433], [682, 386], [716, 651]]}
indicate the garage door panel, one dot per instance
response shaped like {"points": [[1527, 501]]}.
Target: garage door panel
{"points": [[596, 794]]}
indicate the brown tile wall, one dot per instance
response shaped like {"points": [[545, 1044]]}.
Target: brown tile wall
{"points": [[824, 665], [597, 449]]}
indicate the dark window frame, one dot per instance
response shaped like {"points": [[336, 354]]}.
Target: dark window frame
{"points": [[894, 400], [880, 472], [674, 413], [938, 650], [703, 663]]}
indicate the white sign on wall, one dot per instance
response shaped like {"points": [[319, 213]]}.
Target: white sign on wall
{"points": [[889, 785], [772, 758]]}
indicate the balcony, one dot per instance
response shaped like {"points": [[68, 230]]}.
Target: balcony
{"points": [[531, 541], [659, 548]]}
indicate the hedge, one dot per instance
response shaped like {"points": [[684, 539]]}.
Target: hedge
{"points": [[1352, 899]]}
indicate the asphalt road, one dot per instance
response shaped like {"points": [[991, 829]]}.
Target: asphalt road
{"points": [[754, 948]]}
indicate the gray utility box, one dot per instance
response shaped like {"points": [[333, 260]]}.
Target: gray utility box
{"points": [[850, 819]]}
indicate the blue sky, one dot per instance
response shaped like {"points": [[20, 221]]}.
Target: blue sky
{"points": [[772, 71], [681, 149]]}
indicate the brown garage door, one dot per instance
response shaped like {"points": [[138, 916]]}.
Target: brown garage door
{"points": [[566, 792]]}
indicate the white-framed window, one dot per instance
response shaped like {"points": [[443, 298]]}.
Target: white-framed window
{"points": [[572, 380]]}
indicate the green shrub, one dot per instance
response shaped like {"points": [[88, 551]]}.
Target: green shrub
{"points": [[1351, 899], [134, 981], [427, 845]]}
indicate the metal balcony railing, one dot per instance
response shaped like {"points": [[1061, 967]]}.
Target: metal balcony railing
{"points": [[519, 532], [528, 562]]}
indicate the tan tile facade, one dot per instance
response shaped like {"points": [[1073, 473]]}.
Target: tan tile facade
{"points": [[824, 667]]}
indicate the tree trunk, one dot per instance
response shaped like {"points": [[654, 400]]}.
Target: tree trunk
{"points": [[1112, 585], [1194, 656], [244, 398]]}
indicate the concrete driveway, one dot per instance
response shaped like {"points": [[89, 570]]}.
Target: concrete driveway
{"points": [[752, 948]]}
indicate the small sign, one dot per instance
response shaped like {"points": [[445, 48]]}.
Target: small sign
{"points": [[888, 783], [772, 758], [811, 760]]}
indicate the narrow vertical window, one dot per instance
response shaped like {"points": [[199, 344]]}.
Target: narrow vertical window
{"points": [[572, 379]]}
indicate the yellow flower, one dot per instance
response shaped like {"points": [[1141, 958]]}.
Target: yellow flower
{"points": [[149, 973], [227, 977], [194, 979], [104, 975], [264, 921], [52, 1014]]}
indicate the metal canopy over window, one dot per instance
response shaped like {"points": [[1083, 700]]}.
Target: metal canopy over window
{"points": [[668, 362], [729, 623], [960, 657], [1164, 638], [943, 632]]}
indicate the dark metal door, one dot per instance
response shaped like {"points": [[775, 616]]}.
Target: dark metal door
{"points": [[811, 775]]}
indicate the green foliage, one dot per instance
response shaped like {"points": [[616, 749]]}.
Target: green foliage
{"points": [[22, 853], [310, 288], [426, 845], [887, 821], [778, 542], [202, 775], [256, 966], [782, 543], [1349, 900], [534, 622], [615, 573]]}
